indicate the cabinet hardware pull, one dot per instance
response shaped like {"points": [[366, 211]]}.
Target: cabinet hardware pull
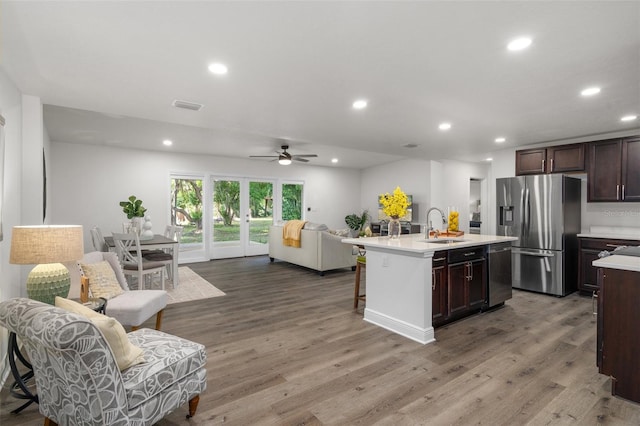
{"points": [[470, 253], [543, 166], [438, 259], [615, 245], [551, 164], [433, 281], [617, 192], [594, 306], [622, 192]]}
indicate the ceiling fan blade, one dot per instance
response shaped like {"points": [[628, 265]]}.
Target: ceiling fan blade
{"points": [[302, 160], [306, 155], [263, 156]]}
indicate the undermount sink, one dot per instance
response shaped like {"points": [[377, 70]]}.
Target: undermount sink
{"points": [[444, 240]]}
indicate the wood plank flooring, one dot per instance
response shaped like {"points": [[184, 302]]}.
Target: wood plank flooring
{"points": [[286, 348]]}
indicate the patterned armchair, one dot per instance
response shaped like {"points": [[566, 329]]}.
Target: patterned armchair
{"points": [[79, 381]]}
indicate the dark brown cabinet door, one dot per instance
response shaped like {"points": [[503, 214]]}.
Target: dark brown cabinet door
{"points": [[477, 284], [565, 158], [531, 161], [604, 171], [588, 250], [457, 294], [439, 291], [618, 348], [631, 169]]}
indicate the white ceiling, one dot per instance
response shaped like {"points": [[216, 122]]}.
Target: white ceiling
{"points": [[108, 72]]}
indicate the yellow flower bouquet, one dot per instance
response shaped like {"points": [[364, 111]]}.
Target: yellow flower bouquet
{"points": [[395, 205]]}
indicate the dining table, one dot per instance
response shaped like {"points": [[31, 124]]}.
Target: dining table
{"points": [[157, 242]]}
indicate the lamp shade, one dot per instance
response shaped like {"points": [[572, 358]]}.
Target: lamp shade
{"points": [[47, 246]]}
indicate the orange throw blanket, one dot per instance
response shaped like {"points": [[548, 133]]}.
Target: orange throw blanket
{"points": [[291, 232]]}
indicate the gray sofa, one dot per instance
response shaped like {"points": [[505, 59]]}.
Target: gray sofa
{"points": [[319, 249]]}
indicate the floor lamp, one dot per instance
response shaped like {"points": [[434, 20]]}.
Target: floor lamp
{"points": [[46, 246]]}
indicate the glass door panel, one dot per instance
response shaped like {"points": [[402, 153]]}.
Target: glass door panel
{"points": [[226, 224], [259, 217]]}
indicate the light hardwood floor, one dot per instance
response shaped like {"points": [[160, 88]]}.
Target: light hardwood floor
{"points": [[285, 348]]}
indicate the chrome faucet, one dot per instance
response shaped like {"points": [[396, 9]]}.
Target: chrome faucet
{"points": [[430, 227]]}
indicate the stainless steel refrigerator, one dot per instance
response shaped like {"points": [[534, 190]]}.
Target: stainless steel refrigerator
{"points": [[543, 212]]}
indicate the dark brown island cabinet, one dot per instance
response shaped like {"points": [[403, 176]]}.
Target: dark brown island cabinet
{"points": [[459, 284], [552, 159], [588, 250], [613, 173], [618, 339]]}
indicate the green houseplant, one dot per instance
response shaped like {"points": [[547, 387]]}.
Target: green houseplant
{"points": [[356, 222], [133, 207]]}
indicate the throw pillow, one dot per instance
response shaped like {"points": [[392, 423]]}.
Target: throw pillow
{"points": [[125, 352], [102, 279]]}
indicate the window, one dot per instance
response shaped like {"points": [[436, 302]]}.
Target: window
{"points": [[292, 201], [186, 208]]}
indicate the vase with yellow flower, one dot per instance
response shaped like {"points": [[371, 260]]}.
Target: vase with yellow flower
{"points": [[395, 206]]}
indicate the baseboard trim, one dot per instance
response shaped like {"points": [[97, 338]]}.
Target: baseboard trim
{"points": [[410, 331]]}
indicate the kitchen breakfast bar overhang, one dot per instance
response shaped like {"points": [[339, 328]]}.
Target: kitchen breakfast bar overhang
{"points": [[398, 280]]}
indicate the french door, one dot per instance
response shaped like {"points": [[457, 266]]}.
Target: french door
{"points": [[242, 212]]}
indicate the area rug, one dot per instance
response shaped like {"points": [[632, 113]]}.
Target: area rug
{"points": [[191, 287]]}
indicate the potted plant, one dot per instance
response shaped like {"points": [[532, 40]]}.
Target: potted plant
{"points": [[133, 207], [134, 211], [356, 222]]}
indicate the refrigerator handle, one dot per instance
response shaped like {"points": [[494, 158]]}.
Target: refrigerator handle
{"points": [[528, 253], [522, 217], [527, 213]]}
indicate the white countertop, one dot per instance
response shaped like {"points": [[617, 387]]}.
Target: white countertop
{"points": [[612, 232], [416, 243], [626, 263]]}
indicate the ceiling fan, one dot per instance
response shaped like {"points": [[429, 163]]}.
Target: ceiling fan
{"points": [[284, 158]]}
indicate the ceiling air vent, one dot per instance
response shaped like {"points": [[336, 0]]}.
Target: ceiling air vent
{"points": [[187, 105]]}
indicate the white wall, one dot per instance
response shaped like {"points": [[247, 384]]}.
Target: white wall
{"points": [[88, 182], [412, 176], [11, 283]]}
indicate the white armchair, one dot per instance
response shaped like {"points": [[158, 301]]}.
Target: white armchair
{"points": [[132, 307]]}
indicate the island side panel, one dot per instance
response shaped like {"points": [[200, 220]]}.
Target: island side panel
{"points": [[399, 294]]}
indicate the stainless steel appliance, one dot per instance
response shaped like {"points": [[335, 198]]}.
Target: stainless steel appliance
{"points": [[543, 212], [500, 276]]}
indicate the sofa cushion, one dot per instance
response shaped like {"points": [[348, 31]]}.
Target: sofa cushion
{"points": [[311, 226], [134, 307], [168, 359], [125, 353]]}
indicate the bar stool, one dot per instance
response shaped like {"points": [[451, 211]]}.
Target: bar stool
{"points": [[361, 263]]}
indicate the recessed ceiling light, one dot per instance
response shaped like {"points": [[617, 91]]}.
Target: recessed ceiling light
{"points": [[167, 142], [334, 160], [488, 159], [629, 118], [218, 68], [444, 126], [360, 104], [519, 43], [500, 140], [590, 91]]}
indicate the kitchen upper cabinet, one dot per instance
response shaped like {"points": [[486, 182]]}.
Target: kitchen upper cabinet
{"points": [[613, 172], [631, 169], [553, 159]]}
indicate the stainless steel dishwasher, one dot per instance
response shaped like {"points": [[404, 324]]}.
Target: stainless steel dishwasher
{"points": [[499, 269]]}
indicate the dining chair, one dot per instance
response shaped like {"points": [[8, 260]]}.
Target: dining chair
{"points": [[133, 264], [98, 240], [175, 233]]}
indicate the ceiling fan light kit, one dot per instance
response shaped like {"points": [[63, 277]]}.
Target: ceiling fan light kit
{"points": [[284, 158]]}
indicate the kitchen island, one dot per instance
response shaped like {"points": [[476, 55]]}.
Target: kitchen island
{"points": [[399, 279]]}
